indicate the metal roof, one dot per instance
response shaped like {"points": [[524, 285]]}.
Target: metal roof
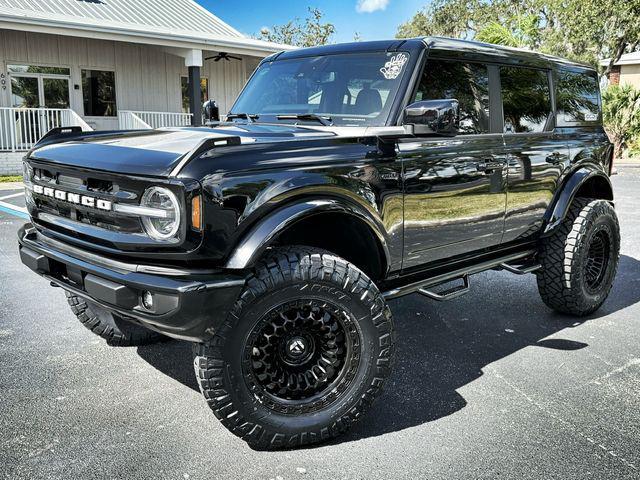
{"points": [[168, 16], [179, 24], [632, 58]]}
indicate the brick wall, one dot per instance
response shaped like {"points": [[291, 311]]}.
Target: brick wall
{"points": [[614, 75], [11, 163]]}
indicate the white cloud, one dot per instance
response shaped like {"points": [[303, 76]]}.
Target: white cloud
{"points": [[368, 6]]}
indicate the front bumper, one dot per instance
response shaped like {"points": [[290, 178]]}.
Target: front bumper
{"points": [[188, 304]]}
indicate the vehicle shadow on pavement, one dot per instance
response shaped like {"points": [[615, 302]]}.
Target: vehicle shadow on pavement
{"points": [[174, 359], [441, 347]]}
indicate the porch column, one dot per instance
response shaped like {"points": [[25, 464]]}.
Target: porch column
{"points": [[193, 60], [194, 96]]}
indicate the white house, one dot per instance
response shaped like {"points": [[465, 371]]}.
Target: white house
{"points": [[112, 64]]}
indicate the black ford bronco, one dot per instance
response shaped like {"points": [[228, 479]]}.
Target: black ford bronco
{"points": [[344, 176]]}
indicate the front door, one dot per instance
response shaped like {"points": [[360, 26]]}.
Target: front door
{"points": [[39, 87], [42, 88], [454, 188]]}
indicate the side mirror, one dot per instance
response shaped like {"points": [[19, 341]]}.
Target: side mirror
{"points": [[211, 111], [433, 117]]}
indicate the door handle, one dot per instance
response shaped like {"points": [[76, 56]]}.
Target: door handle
{"points": [[489, 165]]}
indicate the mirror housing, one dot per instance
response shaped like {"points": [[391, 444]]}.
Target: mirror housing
{"points": [[433, 117], [211, 111]]}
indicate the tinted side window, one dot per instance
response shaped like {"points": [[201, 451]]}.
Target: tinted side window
{"points": [[577, 98], [466, 82], [526, 99]]}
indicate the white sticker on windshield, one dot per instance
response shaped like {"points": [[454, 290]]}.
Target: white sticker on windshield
{"points": [[393, 67], [590, 117]]}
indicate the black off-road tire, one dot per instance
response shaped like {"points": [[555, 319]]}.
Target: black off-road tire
{"points": [[116, 331], [308, 278], [580, 260]]}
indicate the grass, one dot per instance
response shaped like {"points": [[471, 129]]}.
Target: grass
{"points": [[10, 178]]}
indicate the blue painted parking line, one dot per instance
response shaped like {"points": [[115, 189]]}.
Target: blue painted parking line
{"points": [[14, 210]]}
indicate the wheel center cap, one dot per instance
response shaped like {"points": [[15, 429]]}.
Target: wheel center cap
{"points": [[296, 347]]}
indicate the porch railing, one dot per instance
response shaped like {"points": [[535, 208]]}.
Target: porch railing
{"points": [[129, 119], [21, 128]]}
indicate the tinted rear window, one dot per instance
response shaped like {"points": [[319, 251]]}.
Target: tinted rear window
{"points": [[526, 99], [578, 98]]}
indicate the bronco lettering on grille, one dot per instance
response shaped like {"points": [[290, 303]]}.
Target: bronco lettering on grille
{"points": [[75, 198]]}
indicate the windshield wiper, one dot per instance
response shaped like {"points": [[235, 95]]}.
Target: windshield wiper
{"points": [[249, 117], [326, 121]]}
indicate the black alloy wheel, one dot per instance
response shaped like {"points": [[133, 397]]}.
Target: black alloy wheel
{"points": [[302, 355], [597, 260]]}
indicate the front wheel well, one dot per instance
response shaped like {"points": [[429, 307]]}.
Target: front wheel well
{"points": [[341, 234]]}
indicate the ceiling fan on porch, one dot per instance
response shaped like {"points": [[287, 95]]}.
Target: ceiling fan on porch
{"points": [[223, 56]]}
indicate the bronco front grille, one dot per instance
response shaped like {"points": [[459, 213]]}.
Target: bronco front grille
{"points": [[84, 199], [101, 210]]}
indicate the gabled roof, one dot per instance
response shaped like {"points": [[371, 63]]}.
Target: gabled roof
{"points": [[176, 23], [632, 58], [162, 15]]}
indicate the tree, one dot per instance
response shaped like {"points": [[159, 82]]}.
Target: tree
{"points": [[521, 31], [601, 29], [449, 18], [310, 33], [621, 115], [585, 30]]}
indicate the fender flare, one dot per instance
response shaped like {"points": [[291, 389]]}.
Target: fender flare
{"points": [[254, 242], [568, 192]]}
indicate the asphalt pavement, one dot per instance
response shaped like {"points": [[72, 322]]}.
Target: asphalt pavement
{"points": [[490, 385]]}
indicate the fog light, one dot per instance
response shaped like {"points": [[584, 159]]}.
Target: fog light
{"points": [[147, 300]]}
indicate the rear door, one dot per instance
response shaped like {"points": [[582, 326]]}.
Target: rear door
{"points": [[537, 153], [579, 116], [454, 187]]}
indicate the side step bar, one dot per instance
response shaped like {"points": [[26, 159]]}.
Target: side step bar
{"points": [[449, 294], [520, 270], [422, 286]]}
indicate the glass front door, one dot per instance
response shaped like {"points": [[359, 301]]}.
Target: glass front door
{"points": [[41, 88], [33, 86], [25, 92], [55, 92], [39, 91]]}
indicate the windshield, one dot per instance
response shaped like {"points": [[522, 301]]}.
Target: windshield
{"points": [[347, 90]]}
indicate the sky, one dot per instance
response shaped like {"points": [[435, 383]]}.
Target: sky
{"points": [[372, 19]]}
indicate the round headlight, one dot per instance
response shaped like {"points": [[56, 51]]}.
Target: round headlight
{"points": [[165, 222]]}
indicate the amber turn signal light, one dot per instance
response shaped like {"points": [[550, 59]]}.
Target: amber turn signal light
{"points": [[196, 212]]}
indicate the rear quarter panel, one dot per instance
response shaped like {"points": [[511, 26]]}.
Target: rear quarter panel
{"points": [[589, 144]]}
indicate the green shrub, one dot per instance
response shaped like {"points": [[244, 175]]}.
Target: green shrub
{"points": [[621, 115], [634, 147]]}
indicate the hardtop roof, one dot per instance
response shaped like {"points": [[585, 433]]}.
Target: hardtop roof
{"points": [[456, 47]]}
